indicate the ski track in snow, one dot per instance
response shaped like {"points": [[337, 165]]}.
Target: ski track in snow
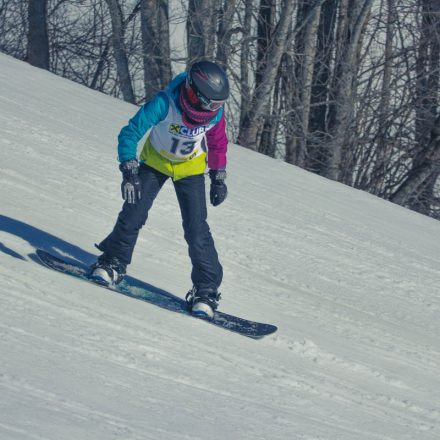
{"points": [[351, 281]]}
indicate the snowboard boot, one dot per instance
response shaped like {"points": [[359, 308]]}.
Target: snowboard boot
{"points": [[203, 301], [107, 271]]}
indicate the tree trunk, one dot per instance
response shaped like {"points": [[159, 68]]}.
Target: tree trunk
{"points": [[421, 175], [305, 49], [265, 29], [317, 156], [351, 26], [245, 94], [201, 29], [249, 129], [225, 32], [105, 48], [377, 185], [38, 42], [268, 141], [119, 51], [155, 45], [422, 201]]}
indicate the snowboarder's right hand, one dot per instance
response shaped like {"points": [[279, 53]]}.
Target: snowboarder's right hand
{"points": [[131, 183]]}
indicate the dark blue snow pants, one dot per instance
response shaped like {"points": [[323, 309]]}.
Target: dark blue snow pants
{"points": [[207, 270]]}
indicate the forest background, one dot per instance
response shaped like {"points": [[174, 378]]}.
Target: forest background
{"points": [[347, 89]]}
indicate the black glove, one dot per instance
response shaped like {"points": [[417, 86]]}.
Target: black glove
{"points": [[219, 191], [131, 183]]}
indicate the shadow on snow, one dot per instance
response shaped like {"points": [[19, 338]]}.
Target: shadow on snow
{"points": [[73, 254]]}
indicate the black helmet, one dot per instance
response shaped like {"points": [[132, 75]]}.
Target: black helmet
{"points": [[210, 83]]}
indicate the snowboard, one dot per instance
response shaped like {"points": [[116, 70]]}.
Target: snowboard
{"points": [[145, 292]]}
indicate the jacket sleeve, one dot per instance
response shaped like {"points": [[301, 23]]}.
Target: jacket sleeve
{"points": [[217, 142], [149, 115]]}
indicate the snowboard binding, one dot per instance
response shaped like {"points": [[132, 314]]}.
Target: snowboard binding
{"points": [[203, 302], [108, 271]]}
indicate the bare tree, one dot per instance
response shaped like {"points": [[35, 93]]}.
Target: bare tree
{"points": [[317, 152], [379, 172], [225, 32], [261, 96], [119, 50], [245, 60], [201, 29], [417, 189], [38, 41], [300, 94], [155, 45], [14, 24], [353, 16], [104, 44], [265, 28]]}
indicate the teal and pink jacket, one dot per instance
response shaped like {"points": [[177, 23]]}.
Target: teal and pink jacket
{"points": [[157, 110]]}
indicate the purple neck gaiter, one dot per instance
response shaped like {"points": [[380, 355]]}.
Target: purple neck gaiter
{"points": [[193, 117]]}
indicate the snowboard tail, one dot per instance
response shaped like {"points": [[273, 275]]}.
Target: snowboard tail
{"points": [[145, 292]]}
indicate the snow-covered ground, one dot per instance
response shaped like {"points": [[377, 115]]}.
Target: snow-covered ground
{"points": [[351, 281]]}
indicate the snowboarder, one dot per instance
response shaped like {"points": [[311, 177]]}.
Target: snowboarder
{"points": [[187, 125]]}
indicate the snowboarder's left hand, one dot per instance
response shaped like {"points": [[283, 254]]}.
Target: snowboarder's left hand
{"points": [[131, 183], [219, 190]]}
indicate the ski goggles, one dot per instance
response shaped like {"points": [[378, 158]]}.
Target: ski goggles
{"points": [[195, 97]]}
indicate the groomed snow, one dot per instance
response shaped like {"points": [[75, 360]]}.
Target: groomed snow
{"points": [[351, 281]]}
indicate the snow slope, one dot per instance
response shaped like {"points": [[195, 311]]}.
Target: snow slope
{"points": [[351, 280]]}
